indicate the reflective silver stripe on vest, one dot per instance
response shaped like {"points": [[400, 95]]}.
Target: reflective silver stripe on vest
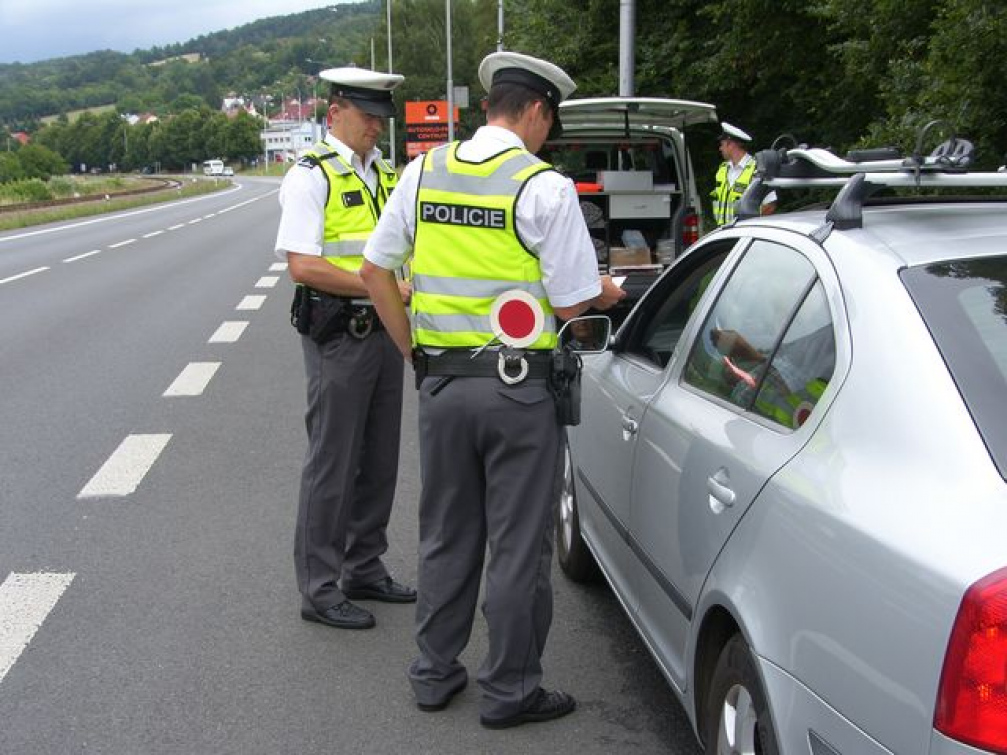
{"points": [[499, 183], [347, 248], [453, 324], [474, 288], [450, 324]]}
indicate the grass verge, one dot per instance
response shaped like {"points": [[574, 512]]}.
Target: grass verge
{"points": [[22, 219]]}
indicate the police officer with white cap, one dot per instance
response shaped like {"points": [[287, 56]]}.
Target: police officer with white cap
{"points": [[481, 218], [331, 200], [735, 174]]}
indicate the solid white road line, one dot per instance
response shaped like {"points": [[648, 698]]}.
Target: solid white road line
{"points": [[229, 332], [125, 469], [267, 281], [192, 381], [152, 234], [278, 267], [25, 601], [251, 302], [121, 243], [82, 256], [23, 275]]}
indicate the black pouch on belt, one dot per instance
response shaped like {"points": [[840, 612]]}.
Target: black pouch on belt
{"points": [[328, 318], [300, 310], [564, 382]]}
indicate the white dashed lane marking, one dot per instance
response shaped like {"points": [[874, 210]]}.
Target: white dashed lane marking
{"points": [[267, 281], [152, 234], [176, 227], [278, 267], [23, 275], [82, 256], [229, 332], [125, 469], [251, 302], [195, 220], [192, 381], [25, 601], [121, 243]]}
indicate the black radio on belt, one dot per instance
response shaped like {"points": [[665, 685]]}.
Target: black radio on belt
{"points": [[564, 382]]}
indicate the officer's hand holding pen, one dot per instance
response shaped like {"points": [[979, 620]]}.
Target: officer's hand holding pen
{"points": [[405, 291]]}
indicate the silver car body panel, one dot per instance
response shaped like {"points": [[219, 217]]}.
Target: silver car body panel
{"points": [[851, 540]]}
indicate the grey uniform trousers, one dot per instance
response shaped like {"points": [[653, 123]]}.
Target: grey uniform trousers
{"points": [[348, 482], [490, 463]]}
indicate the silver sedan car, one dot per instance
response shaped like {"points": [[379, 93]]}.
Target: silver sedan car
{"points": [[791, 470]]}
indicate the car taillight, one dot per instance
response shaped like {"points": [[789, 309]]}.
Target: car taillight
{"points": [[972, 698], [690, 229]]}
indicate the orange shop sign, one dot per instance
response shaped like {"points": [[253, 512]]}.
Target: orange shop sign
{"points": [[426, 125]]}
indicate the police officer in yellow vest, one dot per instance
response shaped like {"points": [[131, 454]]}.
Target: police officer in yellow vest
{"points": [[480, 218], [331, 200], [735, 174]]}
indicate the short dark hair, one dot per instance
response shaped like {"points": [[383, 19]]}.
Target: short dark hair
{"points": [[509, 101]]}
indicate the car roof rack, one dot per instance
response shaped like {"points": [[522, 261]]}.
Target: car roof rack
{"points": [[861, 174]]}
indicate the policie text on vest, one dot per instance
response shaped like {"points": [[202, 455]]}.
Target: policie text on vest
{"points": [[457, 214]]}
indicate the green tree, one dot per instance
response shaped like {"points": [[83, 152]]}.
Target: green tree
{"points": [[41, 162]]}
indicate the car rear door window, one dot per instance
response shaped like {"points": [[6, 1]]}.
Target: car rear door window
{"points": [[964, 304], [768, 344]]}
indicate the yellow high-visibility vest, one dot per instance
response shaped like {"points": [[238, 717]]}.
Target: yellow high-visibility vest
{"points": [[351, 210], [467, 250], [726, 194]]}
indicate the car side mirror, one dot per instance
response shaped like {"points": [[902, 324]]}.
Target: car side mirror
{"points": [[590, 334]]}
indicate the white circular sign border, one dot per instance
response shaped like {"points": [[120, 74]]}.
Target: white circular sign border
{"points": [[516, 294]]}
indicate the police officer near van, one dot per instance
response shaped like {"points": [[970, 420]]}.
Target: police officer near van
{"points": [[735, 174], [480, 219], [331, 200]]}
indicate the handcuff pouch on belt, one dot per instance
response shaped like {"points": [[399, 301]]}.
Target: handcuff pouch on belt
{"points": [[564, 382]]}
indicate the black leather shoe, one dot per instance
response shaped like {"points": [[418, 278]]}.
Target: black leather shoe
{"points": [[544, 706], [435, 707], [344, 616], [386, 590]]}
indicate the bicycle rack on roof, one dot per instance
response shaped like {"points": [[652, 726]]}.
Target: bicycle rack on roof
{"points": [[861, 175]]}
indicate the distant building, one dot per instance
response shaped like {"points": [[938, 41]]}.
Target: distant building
{"points": [[21, 136], [287, 140]]}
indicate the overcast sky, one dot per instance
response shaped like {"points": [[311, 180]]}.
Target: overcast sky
{"points": [[33, 30]]}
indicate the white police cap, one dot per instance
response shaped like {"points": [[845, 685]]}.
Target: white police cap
{"points": [[541, 76], [727, 131], [371, 91]]}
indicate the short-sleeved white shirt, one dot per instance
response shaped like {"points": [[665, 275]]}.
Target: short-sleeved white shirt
{"points": [[303, 194], [547, 217]]}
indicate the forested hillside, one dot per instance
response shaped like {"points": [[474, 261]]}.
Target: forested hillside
{"points": [[269, 56], [829, 72]]}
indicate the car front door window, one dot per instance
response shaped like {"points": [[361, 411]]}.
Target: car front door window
{"points": [[767, 345]]}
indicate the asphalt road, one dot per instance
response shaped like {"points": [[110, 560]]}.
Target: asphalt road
{"points": [[147, 602]]}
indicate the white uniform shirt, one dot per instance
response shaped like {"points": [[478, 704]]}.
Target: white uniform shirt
{"points": [[734, 173], [302, 197], [547, 217]]}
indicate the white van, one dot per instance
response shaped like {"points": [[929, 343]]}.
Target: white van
{"points": [[629, 160], [213, 168]]}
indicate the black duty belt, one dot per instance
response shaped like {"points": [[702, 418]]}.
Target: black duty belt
{"points": [[510, 366]]}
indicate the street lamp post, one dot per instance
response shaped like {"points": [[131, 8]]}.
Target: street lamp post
{"points": [[451, 83], [391, 122]]}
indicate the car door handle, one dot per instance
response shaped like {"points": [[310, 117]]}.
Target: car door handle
{"points": [[629, 427], [721, 495]]}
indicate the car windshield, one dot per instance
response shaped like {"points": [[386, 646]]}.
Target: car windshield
{"points": [[964, 304]]}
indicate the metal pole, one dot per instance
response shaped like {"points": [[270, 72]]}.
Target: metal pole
{"points": [[500, 25], [391, 122], [627, 53], [373, 67], [451, 84]]}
